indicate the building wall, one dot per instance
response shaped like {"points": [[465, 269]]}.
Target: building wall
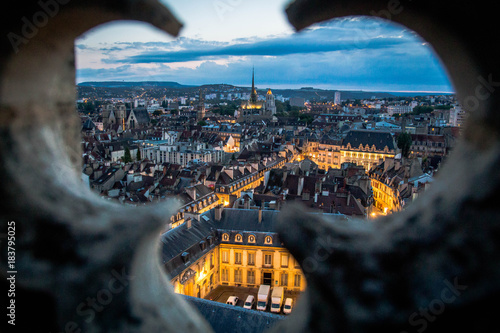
{"points": [[236, 273], [386, 199], [205, 279], [329, 156], [367, 159], [231, 267]]}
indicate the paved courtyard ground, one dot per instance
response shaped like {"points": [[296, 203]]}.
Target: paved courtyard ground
{"points": [[222, 293]]}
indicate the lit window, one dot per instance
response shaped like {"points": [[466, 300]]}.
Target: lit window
{"points": [[237, 258], [268, 240], [238, 238], [268, 260], [225, 256], [284, 260], [224, 275], [297, 280], [225, 237], [251, 258], [284, 280], [251, 277], [251, 239], [237, 275]]}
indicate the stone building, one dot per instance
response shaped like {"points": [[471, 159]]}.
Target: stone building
{"points": [[253, 109], [117, 116], [234, 247]]}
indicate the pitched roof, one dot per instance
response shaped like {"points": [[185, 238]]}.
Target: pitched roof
{"points": [[379, 139]]}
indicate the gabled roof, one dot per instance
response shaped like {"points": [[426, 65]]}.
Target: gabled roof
{"points": [[141, 115]]}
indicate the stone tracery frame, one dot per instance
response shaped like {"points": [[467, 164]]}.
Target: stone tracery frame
{"points": [[360, 277]]}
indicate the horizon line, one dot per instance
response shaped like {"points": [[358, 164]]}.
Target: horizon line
{"points": [[350, 90]]}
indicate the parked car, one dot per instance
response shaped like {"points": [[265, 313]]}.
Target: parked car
{"points": [[232, 300], [287, 308], [249, 302]]}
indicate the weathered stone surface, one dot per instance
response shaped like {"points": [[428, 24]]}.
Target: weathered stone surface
{"points": [[84, 265], [433, 267], [72, 247]]}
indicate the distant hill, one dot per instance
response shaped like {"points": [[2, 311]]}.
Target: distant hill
{"points": [[126, 84], [308, 93]]}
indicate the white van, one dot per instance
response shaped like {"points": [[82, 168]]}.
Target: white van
{"points": [[232, 300], [249, 302], [287, 308]]}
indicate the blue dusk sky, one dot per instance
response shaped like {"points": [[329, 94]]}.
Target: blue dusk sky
{"points": [[223, 39]]}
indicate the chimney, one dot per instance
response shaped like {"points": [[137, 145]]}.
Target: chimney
{"points": [[191, 191], [218, 212], [188, 223], [300, 185], [260, 215]]}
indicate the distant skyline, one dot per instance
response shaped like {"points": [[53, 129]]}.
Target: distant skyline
{"points": [[222, 40]]}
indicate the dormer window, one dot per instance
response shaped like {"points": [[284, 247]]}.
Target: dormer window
{"points": [[185, 257], [238, 238], [268, 240], [225, 237], [251, 239]]}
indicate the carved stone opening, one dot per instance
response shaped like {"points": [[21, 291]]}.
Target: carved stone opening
{"points": [[441, 254]]}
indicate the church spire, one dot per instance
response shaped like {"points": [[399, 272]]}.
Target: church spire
{"points": [[253, 78], [253, 94]]}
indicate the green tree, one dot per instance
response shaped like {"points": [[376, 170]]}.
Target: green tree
{"points": [[442, 107], [306, 118], [404, 143], [126, 157], [420, 109], [157, 113], [279, 106], [202, 123], [138, 156]]}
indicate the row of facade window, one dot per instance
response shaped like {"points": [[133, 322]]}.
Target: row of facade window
{"points": [[267, 259], [238, 277]]}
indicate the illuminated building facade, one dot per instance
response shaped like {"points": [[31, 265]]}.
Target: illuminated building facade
{"points": [[253, 109], [367, 148], [390, 182], [364, 148], [235, 247]]}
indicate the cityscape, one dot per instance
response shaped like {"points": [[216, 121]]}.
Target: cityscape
{"points": [[249, 166], [235, 156], [351, 119]]}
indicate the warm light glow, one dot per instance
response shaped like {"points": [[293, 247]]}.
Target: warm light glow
{"points": [[201, 275], [385, 210], [373, 214], [226, 203]]}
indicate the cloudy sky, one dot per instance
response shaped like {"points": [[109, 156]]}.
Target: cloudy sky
{"points": [[223, 39]]}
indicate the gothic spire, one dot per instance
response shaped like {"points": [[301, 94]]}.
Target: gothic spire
{"points": [[253, 79], [253, 94]]}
